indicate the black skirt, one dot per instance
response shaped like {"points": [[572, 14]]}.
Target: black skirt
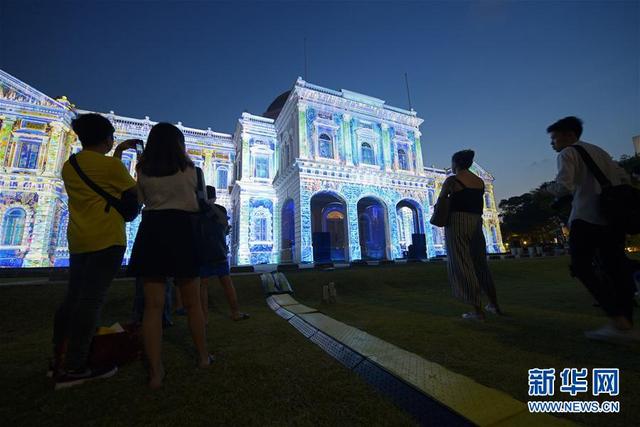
{"points": [[165, 246]]}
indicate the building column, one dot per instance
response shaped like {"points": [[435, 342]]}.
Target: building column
{"points": [[386, 147], [53, 149], [5, 138], [393, 244], [354, 232], [40, 238], [245, 173], [418, 153], [244, 254], [428, 230], [276, 252], [303, 143], [209, 168], [306, 241], [353, 125], [346, 139]]}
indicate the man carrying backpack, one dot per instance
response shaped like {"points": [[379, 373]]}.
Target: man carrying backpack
{"points": [[594, 238], [97, 242]]}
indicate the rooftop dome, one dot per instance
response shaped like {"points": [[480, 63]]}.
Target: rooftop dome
{"points": [[273, 110]]}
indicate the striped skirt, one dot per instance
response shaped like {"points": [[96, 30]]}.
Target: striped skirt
{"points": [[467, 266]]}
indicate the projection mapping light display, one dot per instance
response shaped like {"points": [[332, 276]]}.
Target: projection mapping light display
{"points": [[330, 174]]}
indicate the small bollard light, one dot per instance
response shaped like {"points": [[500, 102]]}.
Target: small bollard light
{"points": [[325, 294], [332, 292]]}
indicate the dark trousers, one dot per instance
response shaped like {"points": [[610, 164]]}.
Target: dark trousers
{"points": [[90, 275], [598, 260]]}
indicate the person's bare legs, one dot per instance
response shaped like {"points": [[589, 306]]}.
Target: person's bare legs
{"points": [[230, 294], [204, 298], [152, 328], [190, 289]]}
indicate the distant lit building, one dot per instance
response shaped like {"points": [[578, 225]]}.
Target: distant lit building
{"points": [[339, 167]]}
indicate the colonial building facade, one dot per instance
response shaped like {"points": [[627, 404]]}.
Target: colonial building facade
{"points": [[321, 175]]}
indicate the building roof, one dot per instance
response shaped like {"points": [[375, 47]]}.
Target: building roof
{"points": [[274, 109]]}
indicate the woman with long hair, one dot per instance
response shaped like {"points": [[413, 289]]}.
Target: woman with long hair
{"points": [[165, 245], [467, 266]]}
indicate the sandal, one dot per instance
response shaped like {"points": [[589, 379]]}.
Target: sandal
{"points": [[211, 358], [243, 316], [162, 378]]}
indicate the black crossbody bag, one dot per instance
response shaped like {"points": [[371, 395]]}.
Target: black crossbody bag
{"points": [[127, 205], [619, 204]]}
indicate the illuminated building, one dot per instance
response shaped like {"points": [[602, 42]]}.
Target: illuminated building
{"points": [[338, 165]]}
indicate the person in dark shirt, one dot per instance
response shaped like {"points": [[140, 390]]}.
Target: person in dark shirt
{"points": [[221, 270]]}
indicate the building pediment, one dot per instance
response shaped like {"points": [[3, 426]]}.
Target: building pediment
{"points": [[12, 89], [478, 170]]}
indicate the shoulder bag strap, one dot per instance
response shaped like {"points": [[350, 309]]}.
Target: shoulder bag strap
{"points": [[108, 197], [593, 167], [201, 191], [460, 182]]}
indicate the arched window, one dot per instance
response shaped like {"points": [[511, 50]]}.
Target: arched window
{"points": [[260, 229], [13, 227], [260, 221], [27, 155], [222, 178], [403, 160], [325, 145], [367, 154]]}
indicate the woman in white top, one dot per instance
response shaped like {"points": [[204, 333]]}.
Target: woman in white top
{"points": [[165, 245]]}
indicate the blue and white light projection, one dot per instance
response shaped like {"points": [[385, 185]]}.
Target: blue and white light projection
{"points": [[348, 161]]}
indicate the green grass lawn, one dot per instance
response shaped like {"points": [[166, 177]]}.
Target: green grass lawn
{"points": [[411, 306], [266, 373]]}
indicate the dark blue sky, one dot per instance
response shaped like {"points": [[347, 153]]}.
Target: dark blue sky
{"points": [[487, 75]]}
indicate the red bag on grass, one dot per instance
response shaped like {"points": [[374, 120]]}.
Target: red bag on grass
{"points": [[116, 348]]}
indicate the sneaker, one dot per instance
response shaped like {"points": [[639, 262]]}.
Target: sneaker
{"points": [[71, 378], [55, 366], [612, 334], [473, 316], [52, 370], [491, 309]]}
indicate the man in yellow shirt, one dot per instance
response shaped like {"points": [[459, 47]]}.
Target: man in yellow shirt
{"points": [[97, 243]]}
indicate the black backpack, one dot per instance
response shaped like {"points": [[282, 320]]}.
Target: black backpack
{"points": [[619, 204], [127, 205]]}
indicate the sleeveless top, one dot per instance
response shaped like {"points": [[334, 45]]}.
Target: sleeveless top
{"points": [[470, 200]]}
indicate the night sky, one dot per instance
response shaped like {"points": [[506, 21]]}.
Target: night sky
{"points": [[487, 75]]}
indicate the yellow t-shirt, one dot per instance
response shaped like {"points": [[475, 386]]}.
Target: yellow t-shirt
{"points": [[90, 228]]}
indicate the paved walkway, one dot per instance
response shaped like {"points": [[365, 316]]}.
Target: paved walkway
{"points": [[475, 402]]}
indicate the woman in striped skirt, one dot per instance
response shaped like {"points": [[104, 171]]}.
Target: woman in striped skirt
{"points": [[466, 247]]}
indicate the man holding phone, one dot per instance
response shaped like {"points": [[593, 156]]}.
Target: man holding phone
{"points": [[97, 243]]}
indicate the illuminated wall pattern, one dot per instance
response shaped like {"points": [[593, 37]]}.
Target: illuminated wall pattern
{"points": [[253, 170]]}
